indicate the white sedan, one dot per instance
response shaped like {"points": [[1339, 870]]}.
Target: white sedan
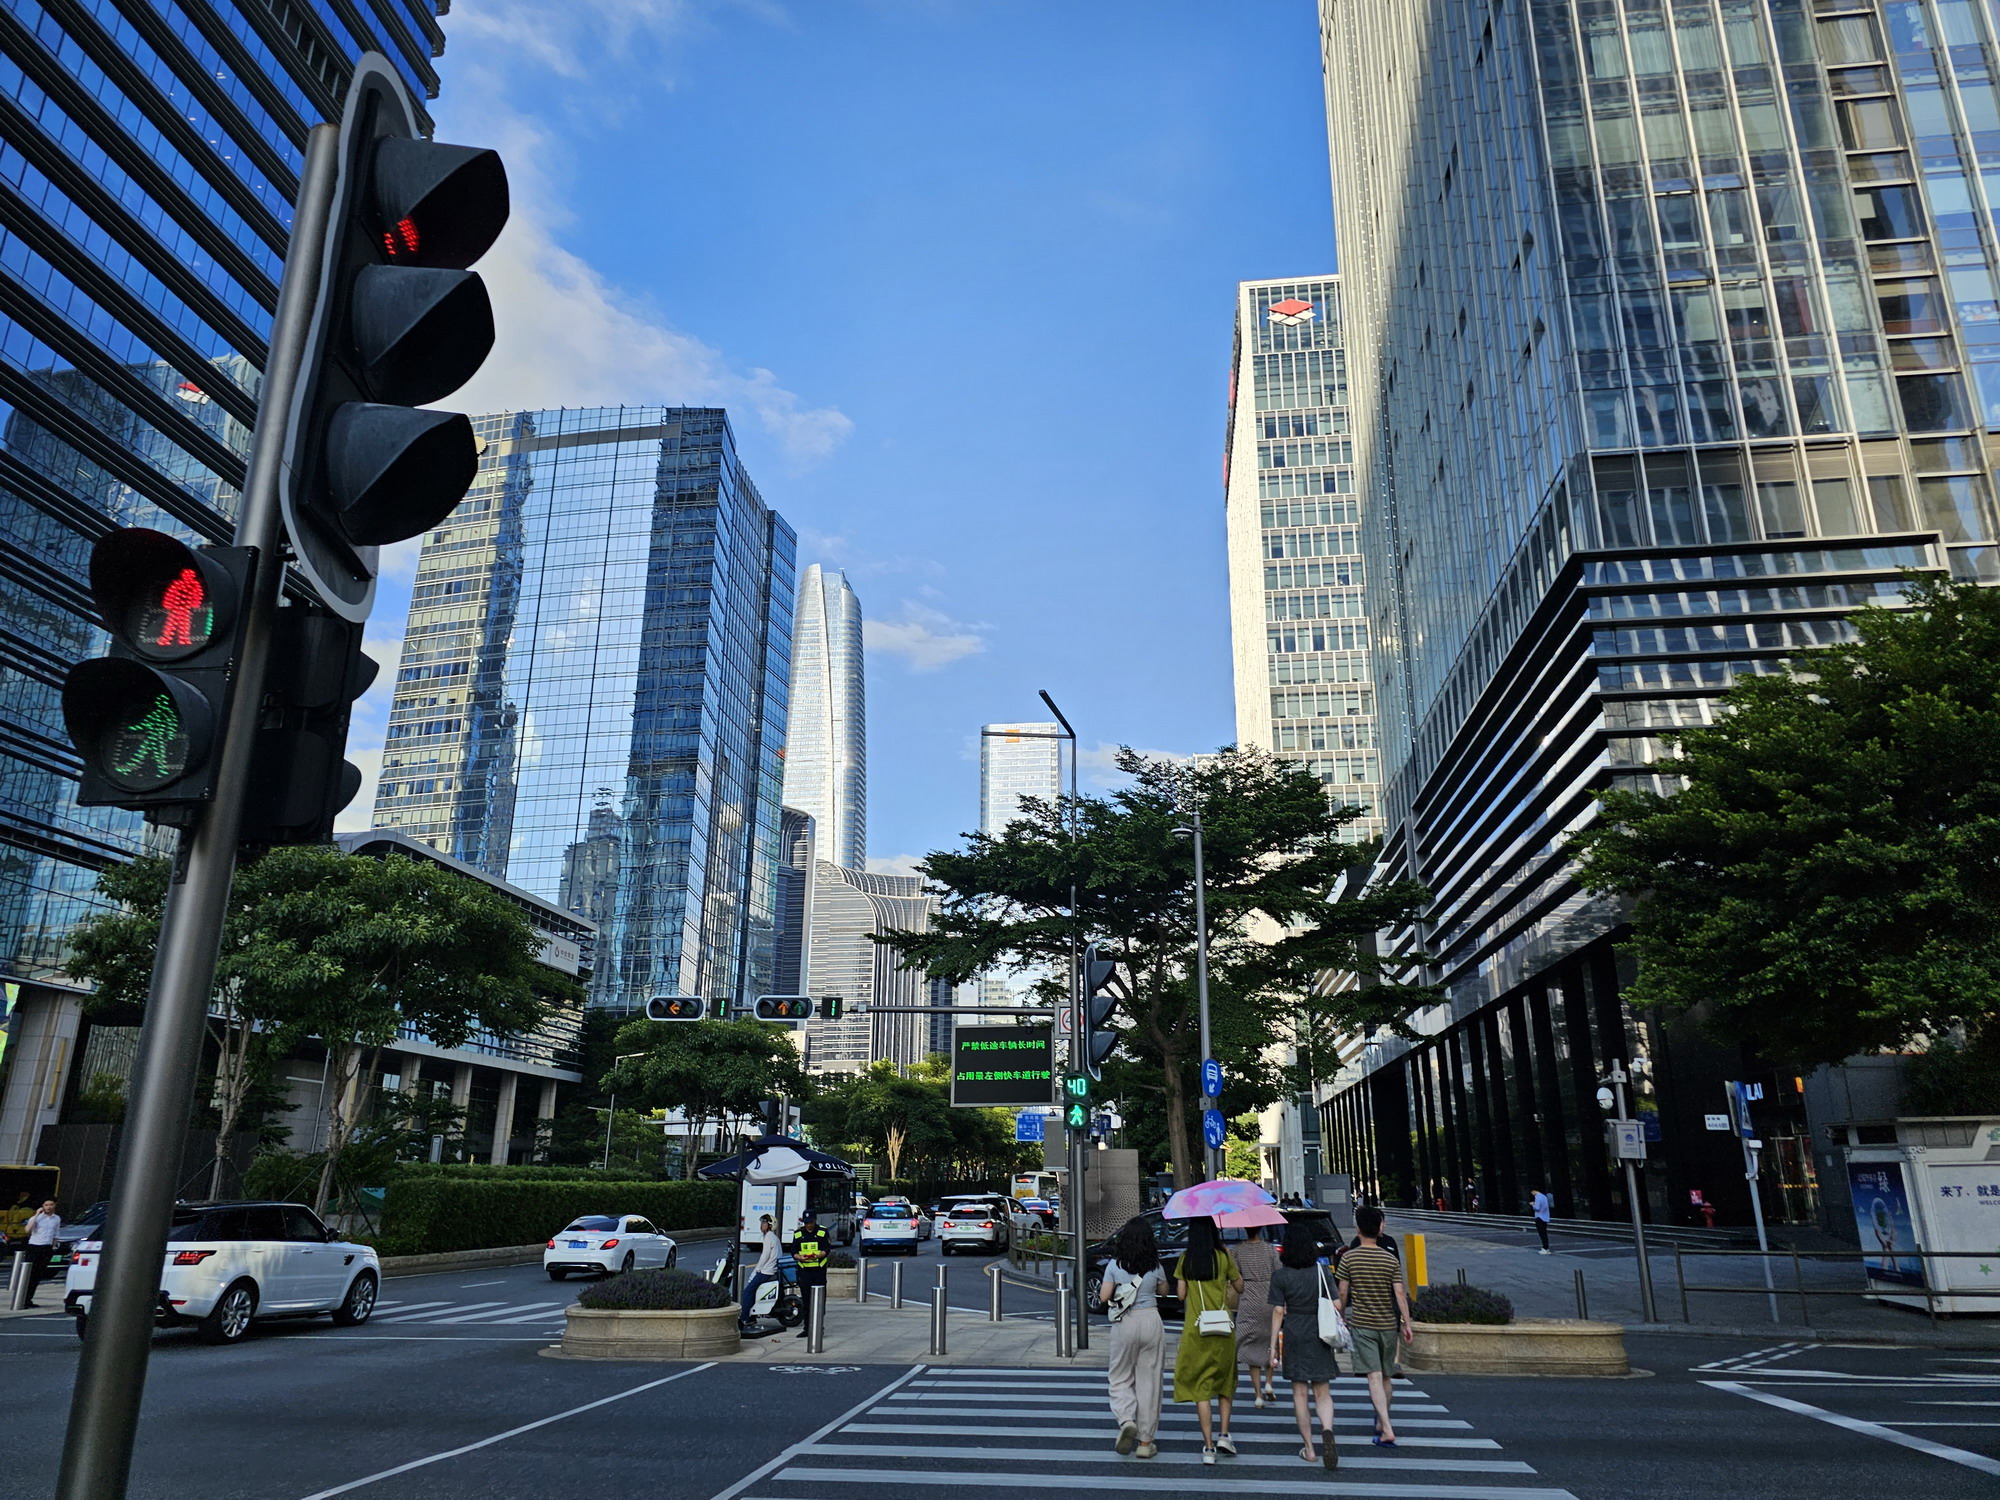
{"points": [[604, 1244], [892, 1226]]}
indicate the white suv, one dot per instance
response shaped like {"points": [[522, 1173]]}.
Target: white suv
{"points": [[980, 1222], [228, 1263]]}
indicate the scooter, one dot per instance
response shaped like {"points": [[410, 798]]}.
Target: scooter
{"points": [[781, 1299]]}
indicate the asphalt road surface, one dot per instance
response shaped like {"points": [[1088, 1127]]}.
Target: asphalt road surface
{"points": [[446, 1396]]}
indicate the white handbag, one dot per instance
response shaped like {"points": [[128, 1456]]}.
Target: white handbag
{"points": [[1332, 1326], [1213, 1322]]}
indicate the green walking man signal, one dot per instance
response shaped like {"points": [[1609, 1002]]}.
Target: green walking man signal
{"points": [[1076, 1101]]}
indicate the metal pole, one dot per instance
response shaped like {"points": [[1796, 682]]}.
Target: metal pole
{"points": [[1739, 1114], [861, 1281], [110, 1380], [17, 1282], [1065, 1347], [1582, 1297], [1073, 1198], [1632, 1202], [993, 1313], [1211, 1155], [609, 1115], [938, 1315], [896, 1286], [816, 1319]]}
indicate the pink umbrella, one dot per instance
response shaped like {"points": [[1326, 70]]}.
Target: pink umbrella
{"points": [[1209, 1200], [1250, 1218]]}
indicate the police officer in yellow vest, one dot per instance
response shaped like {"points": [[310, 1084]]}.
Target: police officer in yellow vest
{"points": [[810, 1250]]}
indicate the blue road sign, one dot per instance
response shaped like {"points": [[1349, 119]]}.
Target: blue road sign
{"points": [[1214, 1129], [1211, 1078], [1028, 1127]]}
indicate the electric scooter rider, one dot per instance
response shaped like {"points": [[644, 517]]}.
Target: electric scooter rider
{"points": [[765, 1270]]}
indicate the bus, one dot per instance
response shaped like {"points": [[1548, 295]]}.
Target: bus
{"points": [[1045, 1185]]}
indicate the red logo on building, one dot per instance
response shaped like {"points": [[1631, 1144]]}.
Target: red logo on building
{"points": [[1292, 312]]}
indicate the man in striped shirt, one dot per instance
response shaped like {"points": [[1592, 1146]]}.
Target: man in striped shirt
{"points": [[1377, 1309]]}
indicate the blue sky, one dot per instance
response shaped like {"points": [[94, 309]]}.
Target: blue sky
{"points": [[964, 274]]}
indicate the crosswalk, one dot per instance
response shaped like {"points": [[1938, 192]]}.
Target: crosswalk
{"points": [[964, 1428], [448, 1314]]}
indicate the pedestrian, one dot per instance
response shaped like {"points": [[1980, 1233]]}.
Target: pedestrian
{"points": [[1130, 1293], [1471, 1198], [41, 1230], [1544, 1205], [1377, 1309], [1256, 1258], [1205, 1364], [1293, 1325], [765, 1270], [810, 1252]]}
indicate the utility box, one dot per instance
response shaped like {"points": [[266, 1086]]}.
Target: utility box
{"points": [[1936, 1188], [1334, 1192], [1111, 1192]]}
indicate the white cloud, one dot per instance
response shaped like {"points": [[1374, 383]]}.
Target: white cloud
{"points": [[894, 864], [1097, 765], [925, 638]]}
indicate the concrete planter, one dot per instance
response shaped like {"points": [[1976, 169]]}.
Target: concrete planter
{"points": [[592, 1333], [1527, 1346], [843, 1285]]}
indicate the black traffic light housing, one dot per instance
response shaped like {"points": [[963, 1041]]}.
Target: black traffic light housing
{"points": [[1098, 1039], [830, 1007], [299, 780], [676, 1008], [399, 322], [792, 1008], [147, 719]]}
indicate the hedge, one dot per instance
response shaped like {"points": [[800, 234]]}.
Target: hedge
{"points": [[527, 1173], [425, 1215]]}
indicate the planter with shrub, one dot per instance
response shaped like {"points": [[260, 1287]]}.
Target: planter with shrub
{"points": [[1467, 1330], [652, 1315], [843, 1277]]}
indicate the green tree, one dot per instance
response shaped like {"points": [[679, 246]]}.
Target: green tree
{"points": [[716, 1071], [338, 947], [1287, 909], [906, 1118], [1826, 881]]}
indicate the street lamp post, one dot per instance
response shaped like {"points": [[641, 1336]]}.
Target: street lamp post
{"points": [[612, 1113], [1618, 1078], [1073, 1205], [1211, 1155]]}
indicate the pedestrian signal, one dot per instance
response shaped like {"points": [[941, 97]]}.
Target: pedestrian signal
{"points": [[830, 1007]]}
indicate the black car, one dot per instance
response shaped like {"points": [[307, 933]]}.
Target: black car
{"points": [[1171, 1235]]}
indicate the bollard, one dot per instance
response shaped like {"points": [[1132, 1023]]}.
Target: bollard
{"points": [[1582, 1298], [861, 1281], [896, 1287], [993, 1313], [17, 1282], [815, 1320], [1065, 1346], [1461, 1275], [938, 1316]]}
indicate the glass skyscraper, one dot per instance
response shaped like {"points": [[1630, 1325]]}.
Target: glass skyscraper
{"points": [[592, 695], [826, 735], [1016, 761], [1675, 336], [1304, 686]]}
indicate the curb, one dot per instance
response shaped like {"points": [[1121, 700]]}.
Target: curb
{"points": [[1922, 1338], [511, 1255]]}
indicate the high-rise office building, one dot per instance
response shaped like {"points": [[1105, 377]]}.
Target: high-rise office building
{"points": [[792, 908], [592, 692], [1016, 761], [1675, 336], [826, 736], [149, 155], [849, 907], [1304, 687]]}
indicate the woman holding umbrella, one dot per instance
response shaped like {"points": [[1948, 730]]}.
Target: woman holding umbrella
{"points": [[1209, 1284], [1256, 1258]]}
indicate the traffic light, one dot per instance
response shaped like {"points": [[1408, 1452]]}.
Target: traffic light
{"points": [[1098, 1038], [676, 1008], [147, 719], [784, 1008], [399, 322], [1076, 1101], [299, 781]]}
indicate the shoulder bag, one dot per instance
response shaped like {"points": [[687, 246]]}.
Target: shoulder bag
{"points": [[1212, 1322], [1124, 1295], [1332, 1326]]}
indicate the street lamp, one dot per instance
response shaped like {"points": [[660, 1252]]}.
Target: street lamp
{"points": [[612, 1113], [1211, 1155], [1626, 1130]]}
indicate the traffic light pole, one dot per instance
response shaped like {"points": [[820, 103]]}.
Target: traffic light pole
{"points": [[104, 1404], [1078, 1144]]}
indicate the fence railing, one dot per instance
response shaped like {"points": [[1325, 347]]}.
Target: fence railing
{"points": [[1799, 1289]]}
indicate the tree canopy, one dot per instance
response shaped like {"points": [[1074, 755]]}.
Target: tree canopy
{"points": [[1826, 881], [906, 1119], [714, 1070], [338, 947], [1287, 908]]}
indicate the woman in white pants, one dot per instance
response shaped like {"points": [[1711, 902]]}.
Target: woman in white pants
{"points": [[1130, 1291]]}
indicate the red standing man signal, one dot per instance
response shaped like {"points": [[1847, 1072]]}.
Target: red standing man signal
{"points": [[179, 601]]}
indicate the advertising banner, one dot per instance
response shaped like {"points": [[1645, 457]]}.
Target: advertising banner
{"points": [[1882, 1217]]}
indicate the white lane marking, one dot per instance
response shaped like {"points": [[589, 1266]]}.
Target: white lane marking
{"points": [[1949, 1454], [1104, 1455], [1239, 1416], [434, 1315], [466, 1286], [1948, 1424], [532, 1309], [555, 1318], [405, 1307], [1124, 1479], [1095, 1432], [1755, 1356], [499, 1437], [1955, 1403], [766, 1468]]}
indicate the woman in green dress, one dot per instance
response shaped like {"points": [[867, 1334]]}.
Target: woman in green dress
{"points": [[1205, 1366]]}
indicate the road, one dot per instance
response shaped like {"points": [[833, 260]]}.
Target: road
{"points": [[446, 1395]]}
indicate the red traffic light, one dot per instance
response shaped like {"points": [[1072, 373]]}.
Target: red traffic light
{"points": [[162, 599], [437, 205]]}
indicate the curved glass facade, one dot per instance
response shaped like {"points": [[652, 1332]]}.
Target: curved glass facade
{"points": [[149, 154], [826, 739], [593, 691]]}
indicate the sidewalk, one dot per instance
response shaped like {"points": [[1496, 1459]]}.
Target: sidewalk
{"points": [[873, 1334], [1544, 1286]]}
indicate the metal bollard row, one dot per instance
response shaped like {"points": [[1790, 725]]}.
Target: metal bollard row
{"points": [[861, 1281], [896, 1286], [938, 1309], [993, 1314], [815, 1320], [1065, 1331]]}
